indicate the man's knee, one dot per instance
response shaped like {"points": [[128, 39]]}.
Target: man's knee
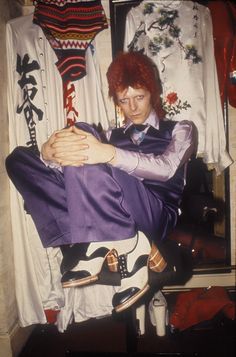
{"points": [[18, 156]]}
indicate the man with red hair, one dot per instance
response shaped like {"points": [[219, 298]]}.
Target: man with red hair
{"points": [[86, 194], [135, 70]]}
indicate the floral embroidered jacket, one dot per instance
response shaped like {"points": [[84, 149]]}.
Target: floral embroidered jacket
{"points": [[177, 35]]}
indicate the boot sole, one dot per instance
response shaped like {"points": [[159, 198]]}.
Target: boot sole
{"points": [[80, 282], [132, 300], [102, 278]]}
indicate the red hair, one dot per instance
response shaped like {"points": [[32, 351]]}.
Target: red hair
{"points": [[137, 71]]}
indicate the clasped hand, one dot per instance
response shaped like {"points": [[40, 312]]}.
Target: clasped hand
{"points": [[75, 147]]}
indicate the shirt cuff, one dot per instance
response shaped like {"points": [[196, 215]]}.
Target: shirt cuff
{"points": [[51, 164]]}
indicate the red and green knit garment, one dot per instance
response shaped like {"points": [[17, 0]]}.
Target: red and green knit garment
{"points": [[70, 26]]}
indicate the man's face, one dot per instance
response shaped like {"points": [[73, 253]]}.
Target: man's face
{"points": [[135, 104]]}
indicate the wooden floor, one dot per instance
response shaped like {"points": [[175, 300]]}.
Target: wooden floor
{"points": [[110, 337]]}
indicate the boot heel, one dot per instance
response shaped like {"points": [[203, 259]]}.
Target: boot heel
{"points": [[156, 261], [109, 274]]}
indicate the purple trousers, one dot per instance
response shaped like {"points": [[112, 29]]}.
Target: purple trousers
{"points": [[85, 204]]}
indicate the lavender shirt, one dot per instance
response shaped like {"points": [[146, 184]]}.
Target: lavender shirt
{"points": [[161, 167]]}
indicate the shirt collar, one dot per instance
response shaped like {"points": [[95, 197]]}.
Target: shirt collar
{"points": [[152, 120]]}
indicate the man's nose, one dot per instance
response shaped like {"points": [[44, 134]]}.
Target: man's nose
{"points": [[133, 104]]}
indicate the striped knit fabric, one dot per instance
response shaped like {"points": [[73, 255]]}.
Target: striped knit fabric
{"points": [[70, 26]]}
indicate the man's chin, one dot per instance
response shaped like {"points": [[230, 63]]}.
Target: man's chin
{"points": [[137, 120]]}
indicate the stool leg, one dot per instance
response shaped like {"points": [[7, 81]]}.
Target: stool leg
{"points": [[140, 316]]}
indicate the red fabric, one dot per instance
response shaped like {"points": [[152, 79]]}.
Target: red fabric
{"points": [[51, 315], [200, 305], [232, 63], [204, 248], [223, 15]]}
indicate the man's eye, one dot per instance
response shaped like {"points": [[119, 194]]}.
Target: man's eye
{"points": [[140, 97], [123, 101]]}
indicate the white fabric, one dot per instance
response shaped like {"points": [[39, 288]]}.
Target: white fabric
{"points": [[31, 260], [196, 84], [37, 270]]}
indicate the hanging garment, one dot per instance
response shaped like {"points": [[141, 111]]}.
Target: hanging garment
{"points": [[223, 15], [177, 35], [36, 109], [70, 26], [85, 99]]}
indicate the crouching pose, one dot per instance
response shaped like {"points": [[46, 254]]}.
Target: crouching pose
{"points": [[107, 200]]}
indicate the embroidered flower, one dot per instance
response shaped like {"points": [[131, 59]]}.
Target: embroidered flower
{"points": [[173, 105], [171, 98]]}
